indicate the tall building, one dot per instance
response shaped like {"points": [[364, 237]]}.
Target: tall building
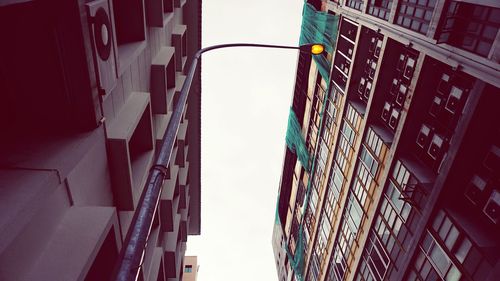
{"points": [[87, 89], [190, 268], [403, 139]]}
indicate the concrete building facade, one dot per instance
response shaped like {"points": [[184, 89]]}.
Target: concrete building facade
{"points": [[87, 89], [405, 141]]}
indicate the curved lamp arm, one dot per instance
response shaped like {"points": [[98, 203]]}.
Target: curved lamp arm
{"points": [[132, 254]]}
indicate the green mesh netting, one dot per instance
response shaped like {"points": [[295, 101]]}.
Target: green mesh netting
{"points": [[297, 260], [295, 141], [319, 27]]}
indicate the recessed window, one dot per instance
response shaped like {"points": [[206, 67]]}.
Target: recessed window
{"points": [[415, 15], [470, 27], [355, 4], [380, 8], [129, 21]]}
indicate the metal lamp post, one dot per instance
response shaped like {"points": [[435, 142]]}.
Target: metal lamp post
{"points": [[132, 253]]}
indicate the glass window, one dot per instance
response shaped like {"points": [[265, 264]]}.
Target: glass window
{"points": [[439, 259], [415, 15], [355, 4], [463, 250], [369, 161], [470, 26]]}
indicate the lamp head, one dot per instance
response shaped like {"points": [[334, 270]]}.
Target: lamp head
{"points": [[315, 48]]}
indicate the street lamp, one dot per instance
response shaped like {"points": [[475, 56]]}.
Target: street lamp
{"points": [[132, 253]]}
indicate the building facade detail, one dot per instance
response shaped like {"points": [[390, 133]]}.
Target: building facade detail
{"points": [[406, 178], [87, 89]]}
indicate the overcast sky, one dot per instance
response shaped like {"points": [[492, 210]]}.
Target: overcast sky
{"points": [[246, 95]]}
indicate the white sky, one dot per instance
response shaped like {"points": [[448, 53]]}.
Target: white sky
{"points": [[246, 95]]}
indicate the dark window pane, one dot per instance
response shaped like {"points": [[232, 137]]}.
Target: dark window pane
{"points": [[490, 32], [483, 48], [419, 13], [415, 25]]}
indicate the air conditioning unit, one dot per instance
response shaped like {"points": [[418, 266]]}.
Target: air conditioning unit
{"points": [[492, 207], [368, 89], [453, 101], [444, 84], [409, 68], [362, 85], [436, 147], [373, 67], [492, 160], [423, 136], [378, 48], [394, 86], [475, 189], [346, 68], [435, 106], [103, 43], [393, 120], [386, 111], [373, 44], [368, 66], [400, 99], [401, 63]]}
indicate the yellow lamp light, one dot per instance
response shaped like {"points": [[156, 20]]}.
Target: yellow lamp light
{"points": [[317, 49]]}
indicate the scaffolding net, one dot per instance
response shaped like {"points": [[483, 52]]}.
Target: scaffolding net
{"points": [[317, 27]]}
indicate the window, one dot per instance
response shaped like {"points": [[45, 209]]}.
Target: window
{"points": [[336, 180], [376, 145], [353, 116], [129, 29], [470, 27], [415, 15], [348, 133], [443, 248], [343, 247], [355, 4], [376, 257], [188, 268], [380, 8], [400, 174], [369, 161], [434, 261], [395, 197]]}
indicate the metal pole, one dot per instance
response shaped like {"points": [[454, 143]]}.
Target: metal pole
{"points": [[132, 253]]}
